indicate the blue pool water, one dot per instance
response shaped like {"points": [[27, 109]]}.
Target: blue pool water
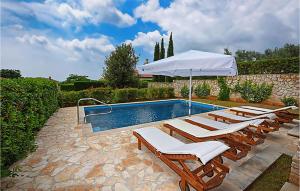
{"points": [[123, 115]]}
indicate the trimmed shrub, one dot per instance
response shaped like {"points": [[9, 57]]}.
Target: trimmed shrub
{"points": [[170, 93], [132, 94], [185, 91], [66, 87], [289, 101], [26, 104], [101, 94], [152, 93], [161, 92], [121, 95], [142, 93], [252, 92], [82, 85], [270, 66], [224, 92], [125, 95], [143, 84], [202, 90], [70, 98]]}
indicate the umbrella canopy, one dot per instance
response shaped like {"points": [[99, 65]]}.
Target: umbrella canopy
{"points": [[192, 63], [201, 64]]}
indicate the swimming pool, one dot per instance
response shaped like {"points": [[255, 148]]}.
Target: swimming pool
{"points": [[128, 114]]}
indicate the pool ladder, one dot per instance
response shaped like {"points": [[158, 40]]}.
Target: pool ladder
{"points": [[93, 99]]}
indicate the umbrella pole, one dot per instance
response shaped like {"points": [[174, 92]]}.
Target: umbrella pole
{"points": [[190, 93]]}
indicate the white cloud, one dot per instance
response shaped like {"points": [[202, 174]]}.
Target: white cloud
{"points": [[71, 13], [34, 40], [212, 25], [148, 40], [101, 44], [37, 54]]}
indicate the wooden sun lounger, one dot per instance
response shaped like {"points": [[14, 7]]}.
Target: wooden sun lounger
{"points": [[283, 115], [245, 135], [175, 153], [266, 126], [237, 149]]}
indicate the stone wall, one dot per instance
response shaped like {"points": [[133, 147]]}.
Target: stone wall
{"points": [[284, 84]]}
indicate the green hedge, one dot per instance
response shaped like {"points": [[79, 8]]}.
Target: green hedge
{"points": [[66, 87], [82, 85], [70, 98], [143, 84], [26, 104], [272, 66], [116, 96]]}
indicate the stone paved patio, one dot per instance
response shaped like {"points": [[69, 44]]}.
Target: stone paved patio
{"points": [[71, 157]]}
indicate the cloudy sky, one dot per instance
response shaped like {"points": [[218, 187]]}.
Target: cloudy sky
{"points": [[59, 37]]}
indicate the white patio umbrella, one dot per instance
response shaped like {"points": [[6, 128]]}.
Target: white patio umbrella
{"points": [[192, 63]]}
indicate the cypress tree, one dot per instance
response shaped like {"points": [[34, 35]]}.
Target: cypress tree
{"points": [[156, 52], [170, 47], [227, 52], [156, 57], [162, 49]]}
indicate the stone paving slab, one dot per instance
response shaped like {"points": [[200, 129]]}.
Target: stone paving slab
{"points": [[289, 187], [295, 130], [72, 157]]}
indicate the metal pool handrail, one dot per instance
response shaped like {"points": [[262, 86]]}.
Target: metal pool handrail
{"points": [[93, 99]]}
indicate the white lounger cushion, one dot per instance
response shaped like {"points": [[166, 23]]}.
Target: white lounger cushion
{"points": [[241, 118], [164, 143], [248, 110], [262, 112], [256, 108], [199, 132], [269, 110], [219, 125]]}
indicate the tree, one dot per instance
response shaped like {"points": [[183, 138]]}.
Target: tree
{"points": [[245, 55], [162, 49], [74, 78], [156, 52], [170, 51], [287, 51], [120, 67], [9, 73], [227, 52]]}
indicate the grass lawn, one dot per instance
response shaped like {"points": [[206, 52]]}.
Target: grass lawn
{"points": [[274, 177], [234, 104]]}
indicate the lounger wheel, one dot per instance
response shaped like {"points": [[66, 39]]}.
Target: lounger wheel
{"points": [[187, 188]]}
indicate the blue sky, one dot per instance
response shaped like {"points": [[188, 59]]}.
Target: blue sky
{"points": [[59, 37]]}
